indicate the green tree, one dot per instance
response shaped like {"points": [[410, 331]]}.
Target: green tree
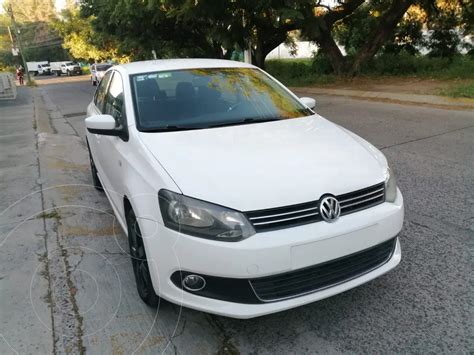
{"points": [[407, 36], [82, 41], [6, 57], [204, 28], [449, 21], [210, 28], [33, 18], [30, 11]]}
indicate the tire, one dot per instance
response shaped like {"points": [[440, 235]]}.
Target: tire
{"points": [[95, 176], [94, 82], [139, 262]]}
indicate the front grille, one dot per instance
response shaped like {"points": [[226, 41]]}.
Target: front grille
{"points": [[362, 199], [284, 217], [321, 276], [303, 213]]}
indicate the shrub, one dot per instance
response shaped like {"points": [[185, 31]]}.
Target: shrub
{"points": [[321, 64], [299, 72], [7, 68], [404, 64]]}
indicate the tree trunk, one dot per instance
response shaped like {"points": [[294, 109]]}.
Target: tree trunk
{"points": [[381, 33], [266, 42], [258, 57], [329, 47]]}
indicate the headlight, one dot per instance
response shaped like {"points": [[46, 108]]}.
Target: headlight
{"points": [[390, 186], [202, 219]]}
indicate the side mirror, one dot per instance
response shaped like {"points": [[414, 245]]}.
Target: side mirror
{"points": [[105, 125], [308, 101]]}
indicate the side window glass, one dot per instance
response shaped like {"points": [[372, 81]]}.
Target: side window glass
{"points": [[114, 103], [100, 94]]}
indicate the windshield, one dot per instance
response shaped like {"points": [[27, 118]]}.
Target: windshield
{"points": [[103, 67], [70, 63], [204, 98]]}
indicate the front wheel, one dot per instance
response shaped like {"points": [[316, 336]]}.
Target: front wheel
{"points": [[139, 262]]}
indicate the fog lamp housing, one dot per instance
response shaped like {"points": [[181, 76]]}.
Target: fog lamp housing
{"points": [[194, 283]]}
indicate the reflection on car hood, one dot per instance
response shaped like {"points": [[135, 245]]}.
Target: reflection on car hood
{"points": [[267, 165]]}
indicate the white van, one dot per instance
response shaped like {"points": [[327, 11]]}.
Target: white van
{"points": [[39, 68]]}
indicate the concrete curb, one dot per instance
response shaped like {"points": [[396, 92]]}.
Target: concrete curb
{"points": [[413, 99]]}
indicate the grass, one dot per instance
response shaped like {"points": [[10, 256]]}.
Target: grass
{"points": [[460, 90], [47, 215]]}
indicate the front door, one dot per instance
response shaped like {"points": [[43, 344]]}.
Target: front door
{"points": [[113, 149]]}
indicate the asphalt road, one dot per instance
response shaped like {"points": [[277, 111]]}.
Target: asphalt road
{"points": [[84, 295]]}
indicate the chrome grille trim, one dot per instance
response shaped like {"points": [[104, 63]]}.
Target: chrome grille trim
{"points": [[285, 219], [357, 197], [296, 215], [359, 202], [283, 214]]}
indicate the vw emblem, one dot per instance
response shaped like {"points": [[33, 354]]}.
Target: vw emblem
{"points": [[329, 209]]}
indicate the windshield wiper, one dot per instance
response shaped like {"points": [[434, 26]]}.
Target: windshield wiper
{"points": [[245, 121], [171, 128], [174, 128]]}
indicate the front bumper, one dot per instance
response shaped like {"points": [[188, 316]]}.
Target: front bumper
{"points": [[269, 253]]}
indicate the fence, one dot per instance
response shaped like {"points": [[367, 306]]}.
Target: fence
{"points": [[7, 86]]}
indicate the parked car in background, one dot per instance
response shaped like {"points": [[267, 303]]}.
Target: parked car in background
{"points": [[39, 68], [44, 69], [98, 71], [66, 67], [236, 197]]}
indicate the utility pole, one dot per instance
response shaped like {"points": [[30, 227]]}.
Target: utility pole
{"points": [[18, 39]]}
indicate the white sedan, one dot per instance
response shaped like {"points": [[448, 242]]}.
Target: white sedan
{"points": [[236, 197]]}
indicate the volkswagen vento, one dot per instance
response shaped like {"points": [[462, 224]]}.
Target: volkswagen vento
{"points": [[236, 197]]}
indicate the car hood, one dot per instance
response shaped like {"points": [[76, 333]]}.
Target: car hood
{"points": [[265, 165]]}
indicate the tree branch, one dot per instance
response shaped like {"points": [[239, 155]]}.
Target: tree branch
{"points": [[381, 33], [341, 11]]}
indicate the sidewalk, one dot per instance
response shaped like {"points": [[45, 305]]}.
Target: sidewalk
{"points": [[400, 98], [25, 308]]}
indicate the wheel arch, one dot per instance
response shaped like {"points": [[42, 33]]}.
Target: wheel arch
{"points": [[127, 206]]}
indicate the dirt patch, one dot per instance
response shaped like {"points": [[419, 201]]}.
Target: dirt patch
{"points": [[123, 343], [61, 164], [74, 231], [405, 85]]}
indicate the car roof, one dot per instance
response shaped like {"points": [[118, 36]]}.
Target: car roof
{"points": [[177, 64]]}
